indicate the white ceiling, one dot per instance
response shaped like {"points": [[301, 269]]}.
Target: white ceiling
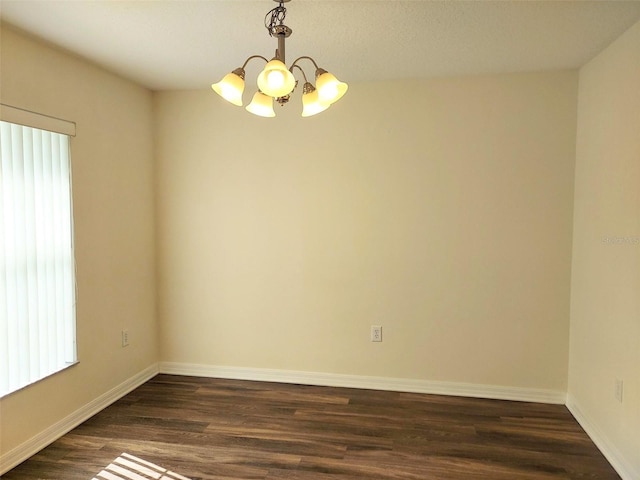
{"points": [[184, 44]]}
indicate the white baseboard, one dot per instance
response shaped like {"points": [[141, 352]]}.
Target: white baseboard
{"points": [[608, 449], [32, 446], [366, 382], [19, 454]]}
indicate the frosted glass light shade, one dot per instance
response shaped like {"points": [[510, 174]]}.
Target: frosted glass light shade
{"points": [[230, 88], [261, 105], [276, 80], [311, 103], [330, 89]]}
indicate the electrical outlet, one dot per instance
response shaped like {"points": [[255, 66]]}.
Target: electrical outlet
{"points": [[125, 338], [619, 389], [376, 333]]}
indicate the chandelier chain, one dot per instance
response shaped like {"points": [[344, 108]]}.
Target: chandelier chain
{"points": [[274, 18]]}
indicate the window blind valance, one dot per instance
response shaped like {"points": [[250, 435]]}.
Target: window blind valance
{"points": [[31, 119]]}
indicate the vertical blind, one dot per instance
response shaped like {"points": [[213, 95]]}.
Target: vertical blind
{"points": [[37, 281]]}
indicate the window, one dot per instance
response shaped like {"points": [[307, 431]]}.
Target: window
{"points": [[37, 272]]}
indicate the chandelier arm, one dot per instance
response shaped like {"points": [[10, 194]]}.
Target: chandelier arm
{"points": [[299, 68], [302, 58], [251, 58]]}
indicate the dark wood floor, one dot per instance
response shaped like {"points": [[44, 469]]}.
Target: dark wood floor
{"points": [[226, 429]]}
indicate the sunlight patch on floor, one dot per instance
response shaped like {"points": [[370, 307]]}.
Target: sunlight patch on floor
{"points": [[128, 467]]}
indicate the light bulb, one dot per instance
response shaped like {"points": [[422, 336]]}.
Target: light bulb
{"points": [[330, 90], [275, 80], [227, 91]]}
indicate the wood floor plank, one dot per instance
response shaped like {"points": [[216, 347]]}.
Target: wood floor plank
{"points": [[218, 429]]}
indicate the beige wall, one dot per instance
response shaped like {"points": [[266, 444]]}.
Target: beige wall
{"points": [[605, 297], [441, 211], [112, 159]]}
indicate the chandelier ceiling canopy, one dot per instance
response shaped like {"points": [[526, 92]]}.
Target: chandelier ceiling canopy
{"points": [[277, 82]]}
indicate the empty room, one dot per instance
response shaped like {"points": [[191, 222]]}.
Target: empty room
{"points": [[319, 240]]}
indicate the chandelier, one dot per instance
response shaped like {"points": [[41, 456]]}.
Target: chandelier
{"points": [[276, 81]]}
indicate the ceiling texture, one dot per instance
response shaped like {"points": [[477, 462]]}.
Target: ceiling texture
{"points": [[184, 44]]}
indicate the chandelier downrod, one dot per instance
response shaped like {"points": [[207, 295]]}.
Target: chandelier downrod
{"points": [[282, 32]]}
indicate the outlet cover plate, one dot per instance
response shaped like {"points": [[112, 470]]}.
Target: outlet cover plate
{"points": [[376, 333]]}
